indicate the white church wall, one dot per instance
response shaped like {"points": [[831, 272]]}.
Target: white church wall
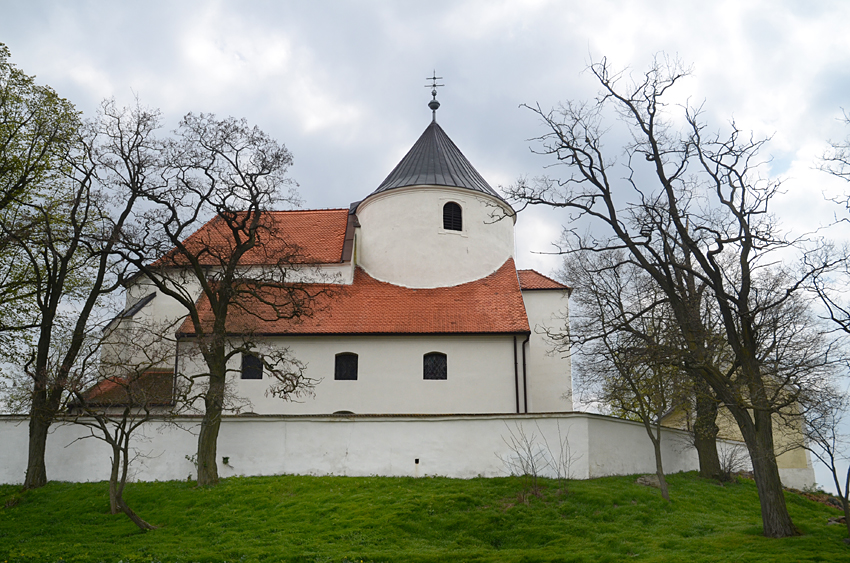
{"points": [[390, 380], [402, 240], [341, 273], [548, 369], [163, 309], [452, 446], [149, 333]]}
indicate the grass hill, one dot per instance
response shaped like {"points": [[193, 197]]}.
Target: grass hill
{"points": [[350, 519]]}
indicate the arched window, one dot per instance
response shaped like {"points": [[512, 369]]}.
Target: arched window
{"points": [[435, 366], [252, 366], [452, 217], [345, 366]]}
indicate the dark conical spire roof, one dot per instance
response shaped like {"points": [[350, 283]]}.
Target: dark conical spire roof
{"points": [[435, 160]]}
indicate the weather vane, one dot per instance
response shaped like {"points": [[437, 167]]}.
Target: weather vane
{"points": [[434, 104]]}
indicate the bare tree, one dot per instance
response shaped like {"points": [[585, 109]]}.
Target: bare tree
{"points": [[700, 192], [824, 439], [622, 319], [625, 347], [128, 387], [830, 285], [836, 160], [231, 174]]}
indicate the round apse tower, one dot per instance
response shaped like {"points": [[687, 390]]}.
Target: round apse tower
{"points": [[434, 221]]}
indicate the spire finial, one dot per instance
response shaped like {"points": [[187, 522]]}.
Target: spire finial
{"points": [[434, 104]]}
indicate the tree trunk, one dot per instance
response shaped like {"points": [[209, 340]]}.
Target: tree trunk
{"points": [[705, 431], [659, 470], [759, 439], [114, 503], [656, 448], [40, 420], [143, 526], [208, 437]]}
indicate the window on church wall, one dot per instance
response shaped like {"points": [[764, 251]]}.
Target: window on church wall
{"points": [[435, 366], [345, 366], [252, 367], [452, 217]]}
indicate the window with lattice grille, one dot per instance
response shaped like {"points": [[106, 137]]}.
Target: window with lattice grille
{"points": [[435, 366], [452, 217], [252, 367], [345, 366]]}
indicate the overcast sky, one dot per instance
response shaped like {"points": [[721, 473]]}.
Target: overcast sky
{"points": [[342, 84]]}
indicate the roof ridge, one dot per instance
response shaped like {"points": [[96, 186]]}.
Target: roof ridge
{"points": [[321, 210]]}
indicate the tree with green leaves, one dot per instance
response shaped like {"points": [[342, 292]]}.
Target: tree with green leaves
{"points": [[65, 239], [37, 127]]}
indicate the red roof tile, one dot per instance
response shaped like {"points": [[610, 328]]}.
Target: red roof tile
{"points": [[490, 305], [307, 237], [151, 388], [531, 279]]}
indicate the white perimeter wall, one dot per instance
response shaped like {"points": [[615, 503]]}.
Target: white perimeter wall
{"points": [[452, 446]]}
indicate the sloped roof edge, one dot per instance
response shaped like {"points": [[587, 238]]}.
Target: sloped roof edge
{"points": [[434, 160], [534, 280]]}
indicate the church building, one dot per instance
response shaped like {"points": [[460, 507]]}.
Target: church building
{"points": [[429, 314], [428, 352]]}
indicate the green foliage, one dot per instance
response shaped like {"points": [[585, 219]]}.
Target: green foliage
{"points": [[36, 126], [37, 129], [337, 519]]}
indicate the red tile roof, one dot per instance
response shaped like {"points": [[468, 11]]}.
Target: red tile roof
{"points": [[531, 279], [490, 305], [306, 237], [151, 388]]}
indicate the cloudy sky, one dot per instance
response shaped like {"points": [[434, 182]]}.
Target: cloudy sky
{"points": [[342, 84]]}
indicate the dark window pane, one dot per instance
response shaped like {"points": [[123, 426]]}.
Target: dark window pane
{"points": [[452, 219], [252, 367], [346, 366], [435, 366]]}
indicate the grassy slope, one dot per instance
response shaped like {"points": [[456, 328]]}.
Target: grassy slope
{"points": [[318, 519]]}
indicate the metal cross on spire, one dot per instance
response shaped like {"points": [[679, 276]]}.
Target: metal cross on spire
{"points": [[434, 104]]}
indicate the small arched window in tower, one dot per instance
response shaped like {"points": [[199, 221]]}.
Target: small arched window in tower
{"points": [[345, 366], [452, 217], [435, 366]]}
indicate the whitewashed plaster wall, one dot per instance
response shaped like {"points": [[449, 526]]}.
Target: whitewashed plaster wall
{"points": [[480, 378], [402, 241], [452, 446], [131, 340], [548, 368]]}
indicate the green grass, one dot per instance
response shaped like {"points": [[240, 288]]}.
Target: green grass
{"points": [[336, 519]]}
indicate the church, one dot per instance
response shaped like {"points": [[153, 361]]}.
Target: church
{"points": [[432, 354], [430, 315]]}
